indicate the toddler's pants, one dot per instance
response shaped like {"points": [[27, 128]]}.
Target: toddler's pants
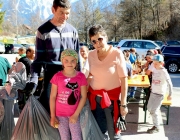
{"points": [[69, 130], [154, 104]]}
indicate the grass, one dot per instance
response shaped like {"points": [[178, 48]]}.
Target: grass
{"points": [[20, 41], [9, 41]]}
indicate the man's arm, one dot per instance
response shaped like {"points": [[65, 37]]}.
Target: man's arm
{"points": [[40, 55]]}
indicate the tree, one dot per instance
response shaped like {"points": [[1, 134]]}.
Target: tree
{"points": [[1, 17], [85, 14], [35, 21]]}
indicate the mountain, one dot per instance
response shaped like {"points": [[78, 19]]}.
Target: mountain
{"points": [[27, 8]]}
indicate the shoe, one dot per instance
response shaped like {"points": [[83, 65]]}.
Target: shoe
{"points": [[118, 137], [132, 99], [153, 130]]}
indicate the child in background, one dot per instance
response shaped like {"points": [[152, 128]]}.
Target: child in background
{"points": [[160, 80], [68, 96], [130, 72], [83, 55], [133, 55], [21, 52], [84, 52]]}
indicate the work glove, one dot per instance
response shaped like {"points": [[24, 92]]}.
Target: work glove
{"points": [[121, 123]]}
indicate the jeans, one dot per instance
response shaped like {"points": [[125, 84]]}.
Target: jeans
{"points": [[132, 91]]}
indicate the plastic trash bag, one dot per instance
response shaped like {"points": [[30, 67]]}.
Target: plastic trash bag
{"points": [[1, 111], [12, 96], [7, 124], [89, 126], [33, 123]]}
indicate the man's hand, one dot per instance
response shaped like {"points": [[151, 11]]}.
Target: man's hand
{"points": [[30, 88]]}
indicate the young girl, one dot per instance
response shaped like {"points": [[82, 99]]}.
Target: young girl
{"points": [[68, 96]]}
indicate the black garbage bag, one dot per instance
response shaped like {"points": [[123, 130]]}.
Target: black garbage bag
{"points": [[33, 123], [1, 111], [7, 124], [89, 126]]}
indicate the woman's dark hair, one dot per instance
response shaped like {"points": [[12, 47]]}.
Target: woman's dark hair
{"points": [[95, 29], [61, 3]]}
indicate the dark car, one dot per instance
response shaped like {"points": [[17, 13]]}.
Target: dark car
{"points": [[171, 58], [172, 42], [12, 48]]}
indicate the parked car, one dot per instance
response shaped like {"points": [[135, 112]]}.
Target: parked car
{"points": [[28, 45], [12, 48], [114, 44], [160, 43], [172, 42], [171, 58], [141, 46], [2, 48]]}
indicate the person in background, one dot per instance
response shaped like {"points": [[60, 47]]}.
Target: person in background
{"points": [[160, 81], [52, 38], [107, 67], [84, 50], [28, 59], [128, 63], [133, 56], [126, 56], [146, 68], [83, 55], [131, 72], [21, 52], [4, 69], [68, 96]]}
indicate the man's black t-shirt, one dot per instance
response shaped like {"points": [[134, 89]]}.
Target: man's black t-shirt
{"points": [[27, 62]]}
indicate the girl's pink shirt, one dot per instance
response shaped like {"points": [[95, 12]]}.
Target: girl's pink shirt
{"points": [[66, 87], [107, 73]]}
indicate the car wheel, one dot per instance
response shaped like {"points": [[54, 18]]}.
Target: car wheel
{"points": [[172, 67]]}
